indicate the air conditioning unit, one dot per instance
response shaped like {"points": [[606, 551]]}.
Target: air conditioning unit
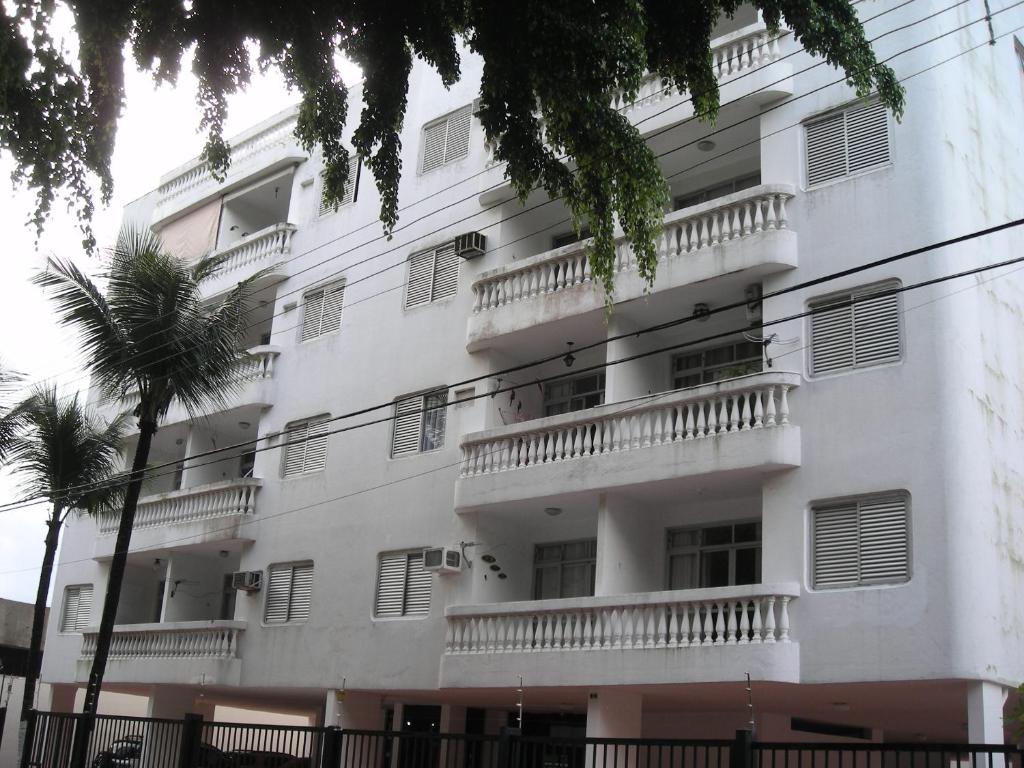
{"points": [[470, 245], [442, 560], [753, 295], [247, 581]]}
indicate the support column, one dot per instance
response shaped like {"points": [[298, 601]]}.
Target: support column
{"points": [[613, 714], [985, 713], [355, 710], [625, 540]]}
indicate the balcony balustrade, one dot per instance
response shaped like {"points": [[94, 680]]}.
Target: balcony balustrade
{"points": [[230, 497], [268, 250]]}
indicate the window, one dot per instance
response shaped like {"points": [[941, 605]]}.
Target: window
{"points": [[861, 542], [321, 310], [847, 143], [564, 569], [574, 394], [289, 593], [716, 191], [714, 556], [350, 192], [716, 364], [77, 608], [446, 139], [305, 447], [403, 587], [433, 275], [852, 330], [568, 238], [419, 423]]}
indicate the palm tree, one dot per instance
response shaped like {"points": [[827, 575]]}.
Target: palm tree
{"points": [[64, 454], [10, 416], [150, 332]]}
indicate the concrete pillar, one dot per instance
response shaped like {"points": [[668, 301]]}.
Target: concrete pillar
{"points": [[613, 714], [356, 710], [985, 713], [626, 539], [175, 701], [62, 699]]}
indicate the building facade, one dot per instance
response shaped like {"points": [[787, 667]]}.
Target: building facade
{"points": [[820, 488]]}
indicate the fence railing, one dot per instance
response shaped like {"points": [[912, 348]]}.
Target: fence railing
{"points": [[227, 497], [747, 615], [170, 640], [732, 217], [757, 401], [265, 247], [120, 742]]}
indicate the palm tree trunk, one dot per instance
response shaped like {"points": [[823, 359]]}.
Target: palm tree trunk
{"points": [[35, 648], [147, 429]]}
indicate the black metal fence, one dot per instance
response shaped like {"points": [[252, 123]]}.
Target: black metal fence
{"points": [[131, 742]]}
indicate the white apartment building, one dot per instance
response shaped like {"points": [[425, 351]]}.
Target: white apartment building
{"points": [[838, 513]]}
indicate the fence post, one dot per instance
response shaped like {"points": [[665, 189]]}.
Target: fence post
{"points": [[331, 754], [741, 755], [507, 739], [80, 740], [191, 735], [28, 739]]}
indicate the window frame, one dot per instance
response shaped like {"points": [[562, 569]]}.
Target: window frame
{"points": [[675, 375], [847, 294], [828, 114], [445, 118], [698, 549], [76, 629], [404, 615], [292, 564], [546, 403], [406, 306], [561, 563], [338, 285], [422, 412], [284, 434], [733, 182], [838, 502], [354, 175]]}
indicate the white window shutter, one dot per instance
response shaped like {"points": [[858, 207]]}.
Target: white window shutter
{"points": [[348, 195], [826, 151], [316, 446], [278, 593], [884, 541], [295, 448], [421, 277], [417, 587], [831, 338], [301, 592], [446, 272], [312, 314], [434, 140], [835, 546], [306, 446], [391, 570], [334, 299], [867, 137], [77, 608], [459, 124], [876, 329], [405, 438]]}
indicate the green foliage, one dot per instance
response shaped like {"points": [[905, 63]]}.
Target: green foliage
{"points": [[545, 63]]}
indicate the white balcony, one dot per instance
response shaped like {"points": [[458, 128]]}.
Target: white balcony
{"points": [[172, 652], [267, 147], [266, 250], [682, 636], [740, 426], [746, 232], [207, 513]]}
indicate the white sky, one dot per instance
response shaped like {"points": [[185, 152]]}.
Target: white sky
{"points": [[156, 133]]}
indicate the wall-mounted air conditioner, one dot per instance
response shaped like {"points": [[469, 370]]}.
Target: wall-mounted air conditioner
{"points": [[247, 581], [442, 560], [470, 245]]}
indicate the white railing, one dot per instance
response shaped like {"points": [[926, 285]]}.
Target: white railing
{"points": [[227, 497], [268, 244], [257, 364], [280, 133], [689, 230], [748, 615], [743, 50], [179, 640], [757, 401]]}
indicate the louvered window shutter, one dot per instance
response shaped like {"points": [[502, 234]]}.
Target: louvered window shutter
{"points": [[301, 592], [278, 589], [446, 272], [295, 448], [306, 446], [434, 137], [334, 298], [391, 572], [862, 543], [847, 143], [322, 312], [316, 446], [405, 438], [421, 279], [349, 194], [77, 608], [457, 143], [417, 587], [312, 314], [863, 333]]}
